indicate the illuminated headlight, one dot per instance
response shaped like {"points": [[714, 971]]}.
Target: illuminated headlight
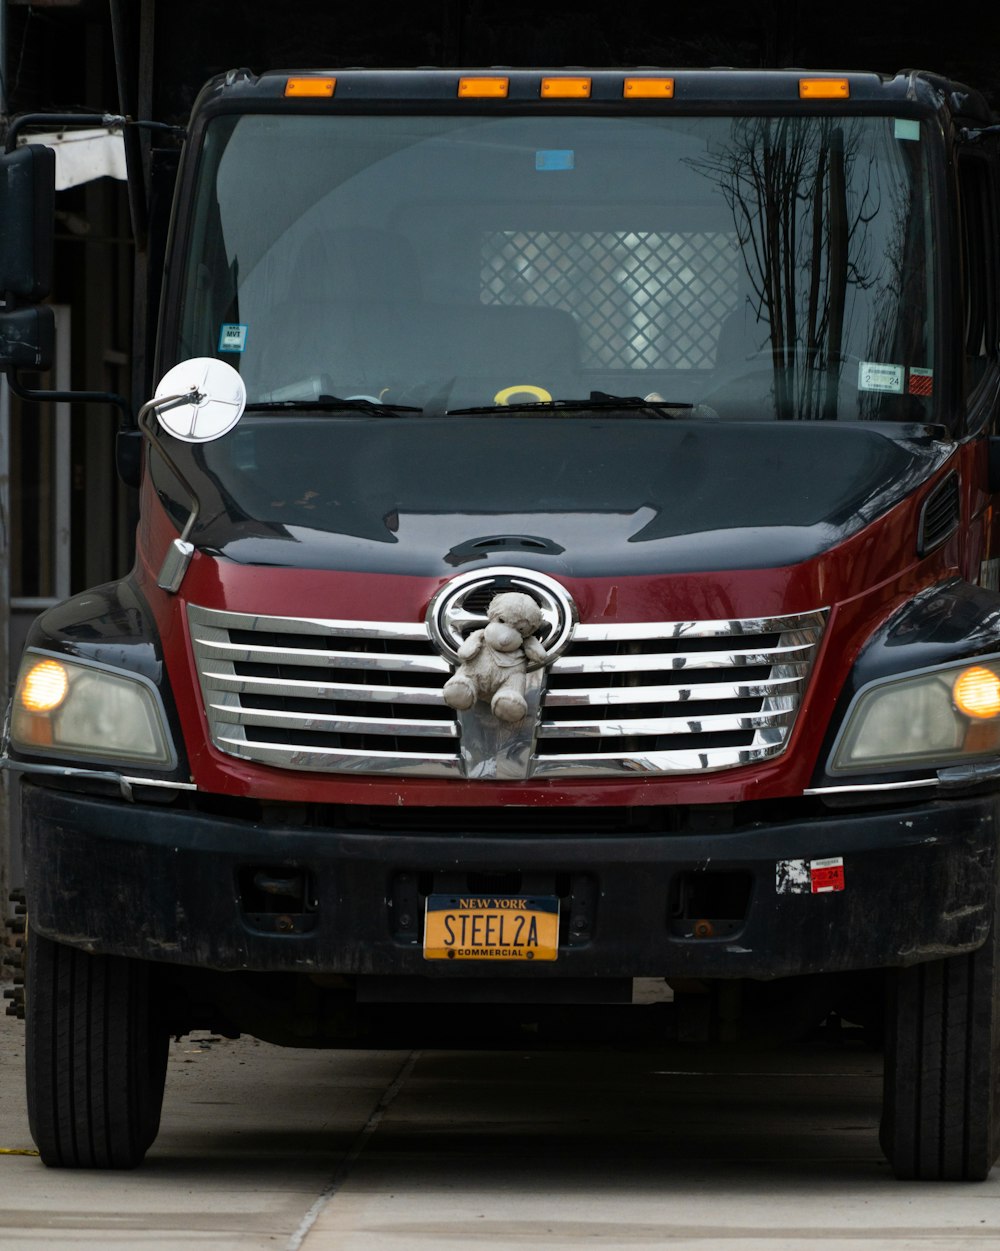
{"points": [[935, 716], [86, 710]]}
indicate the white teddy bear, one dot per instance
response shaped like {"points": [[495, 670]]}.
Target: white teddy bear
{"points": [[495, 659]]}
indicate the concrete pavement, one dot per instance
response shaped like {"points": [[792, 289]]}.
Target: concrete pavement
{"points": [[347, 1151]]}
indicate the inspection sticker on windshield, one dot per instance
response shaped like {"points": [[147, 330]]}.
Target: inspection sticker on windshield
{"points": [[876, 376], [809, 877], [548, 159], [921, 381], [232, 337]]}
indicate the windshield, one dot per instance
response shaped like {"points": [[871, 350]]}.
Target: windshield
{"points": [[753, 268]]}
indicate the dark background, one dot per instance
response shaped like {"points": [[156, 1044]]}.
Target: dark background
{"points": [[196, 38]]}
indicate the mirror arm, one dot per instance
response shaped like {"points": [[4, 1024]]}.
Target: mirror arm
{"points": [[110, 121], [180, 551], [71, 397], [55, 120]]}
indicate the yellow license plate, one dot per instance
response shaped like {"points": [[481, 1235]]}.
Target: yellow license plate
{"points": [[491, 927]]}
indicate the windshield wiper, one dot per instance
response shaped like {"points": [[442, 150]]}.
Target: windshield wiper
{"points": [[331, 404], [599, 401]]}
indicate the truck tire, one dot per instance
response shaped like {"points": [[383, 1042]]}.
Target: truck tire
{"points": [[941, 1111], [96, 1057]]}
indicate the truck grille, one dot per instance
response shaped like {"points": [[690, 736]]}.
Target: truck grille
{"points": [[678, 697], [622, 700]]}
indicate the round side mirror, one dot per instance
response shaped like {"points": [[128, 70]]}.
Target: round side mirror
{"points": [[218, 398]]}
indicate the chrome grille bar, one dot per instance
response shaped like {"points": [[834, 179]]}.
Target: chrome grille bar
{"points": [[321, 690], [612, 695], [353, 725], [313, 658], [663, 725], [679, 660]]}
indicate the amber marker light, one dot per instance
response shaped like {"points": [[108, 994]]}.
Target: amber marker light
{"points": [[824, 89], [45, 686], [977, 692], [649, 89], [483, 88], [565, 88], [311, 87]]}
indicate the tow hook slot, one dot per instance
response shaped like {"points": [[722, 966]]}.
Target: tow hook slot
{"points": [[705, 904], [277, 900]]}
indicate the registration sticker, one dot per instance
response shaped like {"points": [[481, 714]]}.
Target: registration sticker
{"points": [[232, 337], [491, 927], [878, 376]]}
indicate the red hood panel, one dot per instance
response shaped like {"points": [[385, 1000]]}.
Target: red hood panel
{"points": [[861, 581]]}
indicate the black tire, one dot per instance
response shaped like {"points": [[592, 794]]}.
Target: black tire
{"points": [[96, 1057], [941, 1110]]}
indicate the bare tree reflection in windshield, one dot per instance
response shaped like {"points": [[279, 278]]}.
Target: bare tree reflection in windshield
{"points": [[802, 192]]}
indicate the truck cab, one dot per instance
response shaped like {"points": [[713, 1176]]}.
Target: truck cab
{"points": [[567, 556]]}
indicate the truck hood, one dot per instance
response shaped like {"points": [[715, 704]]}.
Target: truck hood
{"points": [[582, 496]]}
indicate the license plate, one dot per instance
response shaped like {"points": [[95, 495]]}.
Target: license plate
{"points": [[491, 927]]}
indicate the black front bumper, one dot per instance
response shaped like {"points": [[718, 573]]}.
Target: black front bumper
{"points": [[175, 886]]}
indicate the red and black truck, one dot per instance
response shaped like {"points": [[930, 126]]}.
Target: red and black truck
{"points": [[696, 369]]}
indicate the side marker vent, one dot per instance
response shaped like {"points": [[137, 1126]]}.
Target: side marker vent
{"points": [[940, 515]]}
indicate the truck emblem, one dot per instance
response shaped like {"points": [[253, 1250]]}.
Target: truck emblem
{"points": [[496, 627]]}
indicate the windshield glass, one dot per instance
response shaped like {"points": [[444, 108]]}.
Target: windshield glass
{"points": [[563, 335], [754, 268]]}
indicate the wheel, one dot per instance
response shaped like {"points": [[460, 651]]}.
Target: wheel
{"points": [[96, 1057], [941, 1110]]}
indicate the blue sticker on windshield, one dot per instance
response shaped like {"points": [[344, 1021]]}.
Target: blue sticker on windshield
{"points": [[232, 337], [554, 158]]}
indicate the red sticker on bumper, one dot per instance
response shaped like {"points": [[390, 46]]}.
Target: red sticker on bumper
{"points": [[826, 875]]}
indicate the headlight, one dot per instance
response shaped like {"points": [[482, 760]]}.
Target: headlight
{"points": [[87, 710], [935, 716]]}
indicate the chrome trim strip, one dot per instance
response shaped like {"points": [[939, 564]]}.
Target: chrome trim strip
{"points": [[122, 780], [872, 786]]}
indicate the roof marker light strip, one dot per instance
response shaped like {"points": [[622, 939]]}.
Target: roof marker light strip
{"points": [[483, 86], [648, 89], [310, 86], [565, 88], [824, 89]]}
